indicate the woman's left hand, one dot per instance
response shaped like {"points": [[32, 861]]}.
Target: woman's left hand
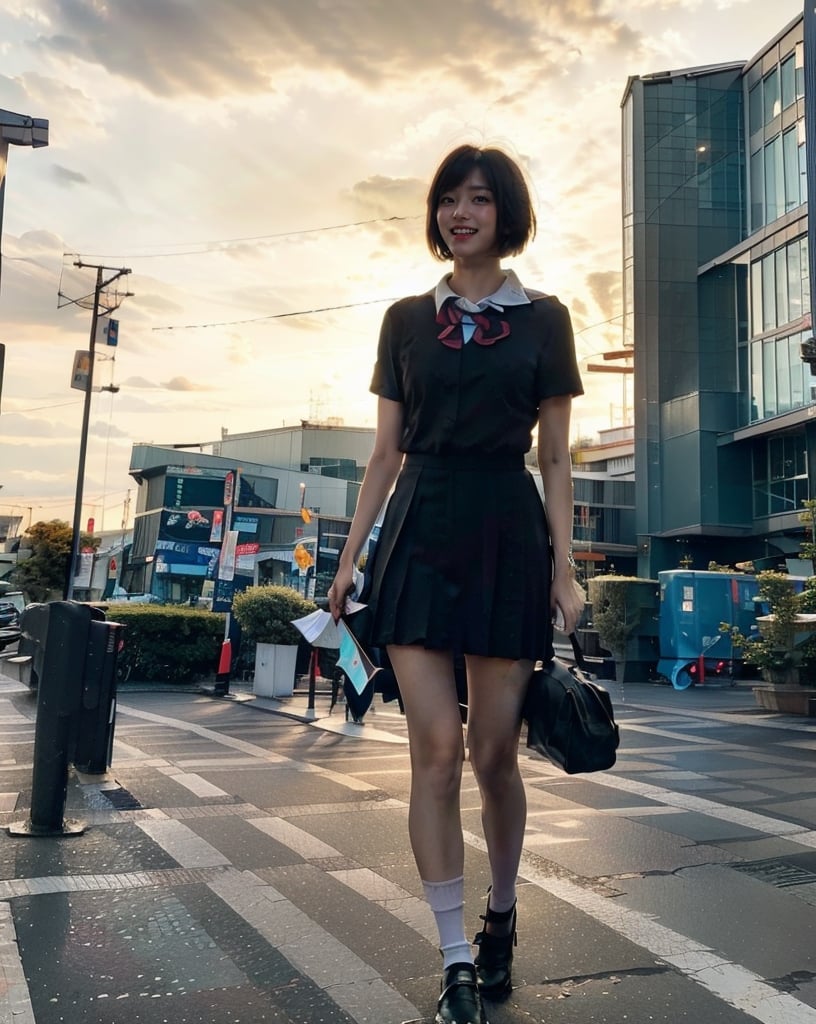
{"points": [[566, 594]]}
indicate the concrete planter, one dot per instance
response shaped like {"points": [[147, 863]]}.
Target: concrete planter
{"points": [[275, 670], [789, 700]]}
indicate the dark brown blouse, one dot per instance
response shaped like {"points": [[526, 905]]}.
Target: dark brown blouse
{"points": [[477, 398]]}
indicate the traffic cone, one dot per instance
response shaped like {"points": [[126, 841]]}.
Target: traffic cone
{"points": [[222, 677], [225, 661]]}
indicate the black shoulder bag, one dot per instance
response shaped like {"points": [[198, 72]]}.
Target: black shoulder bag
{"points": [[569, 716]]}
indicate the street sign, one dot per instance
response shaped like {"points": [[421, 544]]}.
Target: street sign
{"points": [[81, 370], [229, 488], [107, 331]]}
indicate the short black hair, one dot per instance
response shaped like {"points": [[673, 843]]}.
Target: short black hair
{"points": [[515, 219]]}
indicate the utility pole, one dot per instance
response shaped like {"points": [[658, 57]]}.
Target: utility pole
{"points": [[110, 306]]}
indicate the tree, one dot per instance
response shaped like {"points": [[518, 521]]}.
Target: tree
{"points": [[45, 570]]}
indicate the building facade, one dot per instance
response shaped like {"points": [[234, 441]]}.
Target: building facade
{"points": [[275, 504], [603, 474], [717, 260]]}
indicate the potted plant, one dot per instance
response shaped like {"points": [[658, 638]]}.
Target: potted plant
{"points": [[785, 649], [624, 614], [265, 615]]}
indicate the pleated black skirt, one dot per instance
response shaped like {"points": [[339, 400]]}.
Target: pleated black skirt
{"points": [[462, 562]]}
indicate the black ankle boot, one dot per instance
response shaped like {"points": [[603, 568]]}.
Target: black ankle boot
{"points": [[495, 957], [460, 1002]]}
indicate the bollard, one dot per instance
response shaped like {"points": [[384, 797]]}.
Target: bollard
{"points": [[97, 712], [59, 631]]}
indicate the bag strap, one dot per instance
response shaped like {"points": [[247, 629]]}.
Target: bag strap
{"points": [[578, 653]]}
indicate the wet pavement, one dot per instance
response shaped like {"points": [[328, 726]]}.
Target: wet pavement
{"points": [[247, 860]]}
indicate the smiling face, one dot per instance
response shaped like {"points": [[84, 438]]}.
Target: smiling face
{"points": [[466, 218]]}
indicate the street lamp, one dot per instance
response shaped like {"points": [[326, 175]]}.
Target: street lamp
{"points": [[16, 130]]}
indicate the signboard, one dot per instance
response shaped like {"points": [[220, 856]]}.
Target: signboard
{"points": [[245, 555], [192, 527], [84, 569], [217, 528], [245, 523], [229, 488], [225, 590], [107, 331], [185, 559], [81, 370], [226, 566]]}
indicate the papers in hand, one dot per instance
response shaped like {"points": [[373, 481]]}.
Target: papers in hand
{"points": [[353, 659], [320, 629]]}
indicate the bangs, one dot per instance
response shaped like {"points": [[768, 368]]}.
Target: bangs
{"points": [[453, 173]]}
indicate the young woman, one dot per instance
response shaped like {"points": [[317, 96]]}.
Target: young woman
{"points": [[467, 564]]}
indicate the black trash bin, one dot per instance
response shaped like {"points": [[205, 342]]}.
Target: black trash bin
{"points": [[57, 635], [97, 712]]}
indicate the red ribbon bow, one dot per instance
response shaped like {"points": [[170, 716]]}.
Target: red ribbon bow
{"points": [[489, 328]]}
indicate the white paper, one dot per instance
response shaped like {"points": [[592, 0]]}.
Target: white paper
{"points": [[353, 659], [319, 627]]}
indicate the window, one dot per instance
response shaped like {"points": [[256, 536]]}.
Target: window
{"points": [[771, 97], [800, 71], [774, 180], [757, 191], [790, 158], [783, 376], [788, 75], [756, 298], [805, 265], [794, 267], [768, 294], [780, 474], [755, 118], [781, 283], [796, 365], [769, 377], [757, 405]]}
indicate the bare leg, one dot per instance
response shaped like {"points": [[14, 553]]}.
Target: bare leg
{"points": [[428, 689], [496, 690]]}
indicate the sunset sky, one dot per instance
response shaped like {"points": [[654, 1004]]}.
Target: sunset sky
{"points": [[253, 161]]}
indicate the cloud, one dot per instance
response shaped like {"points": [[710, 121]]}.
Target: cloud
{"points": [[65, 176], [107, 430], [15, 424], [174, 384], [183, 384], [380, 196], [215, 47], [605, 287]]}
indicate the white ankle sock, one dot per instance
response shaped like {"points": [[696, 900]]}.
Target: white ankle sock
{"points": [[447, 901], [502, 900]]}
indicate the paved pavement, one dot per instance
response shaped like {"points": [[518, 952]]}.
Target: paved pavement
{"points": [[247, 866]]}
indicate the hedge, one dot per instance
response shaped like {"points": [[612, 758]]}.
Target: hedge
{"points": [[167, 643]]}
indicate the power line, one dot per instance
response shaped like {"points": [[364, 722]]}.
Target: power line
{"points": [[202, 249], [600, 323], [270, 316], [39, 408]]}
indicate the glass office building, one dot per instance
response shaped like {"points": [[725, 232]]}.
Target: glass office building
{"points": [[717, 304]]}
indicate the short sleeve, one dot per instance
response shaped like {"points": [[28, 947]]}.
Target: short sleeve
{"points": [[557, 363], [386, 381]]}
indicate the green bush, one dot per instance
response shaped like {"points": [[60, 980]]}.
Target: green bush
{"points": [[167, 643], [616, 610], [265, 613]]}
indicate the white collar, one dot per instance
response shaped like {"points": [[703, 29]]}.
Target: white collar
{"points": [[509, 293]]}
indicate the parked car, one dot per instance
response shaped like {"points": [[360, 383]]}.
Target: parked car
{"points": [[12, 603]]}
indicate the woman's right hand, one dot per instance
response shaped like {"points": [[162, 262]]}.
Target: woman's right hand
{"points": [[339, 591]]}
